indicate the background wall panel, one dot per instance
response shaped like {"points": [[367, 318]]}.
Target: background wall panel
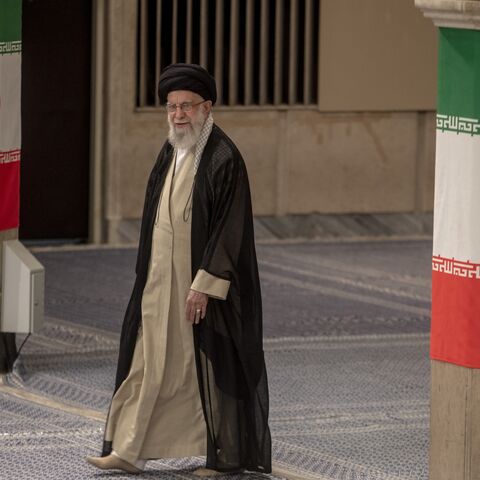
{"points": [[376, 55]]}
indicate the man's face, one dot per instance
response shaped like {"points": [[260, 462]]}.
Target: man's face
{"points": [[178, 97], [185, 126]]}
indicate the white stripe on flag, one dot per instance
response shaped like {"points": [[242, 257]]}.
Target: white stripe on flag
{"points": [[457, 197], [10, 91]]}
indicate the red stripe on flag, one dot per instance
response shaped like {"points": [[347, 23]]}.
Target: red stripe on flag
{"points": [[9, 195], [455, 335]]}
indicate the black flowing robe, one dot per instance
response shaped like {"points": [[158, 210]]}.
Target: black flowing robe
{"points": [[228, 341]]}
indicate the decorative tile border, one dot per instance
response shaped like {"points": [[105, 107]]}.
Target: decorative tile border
{"points": [[452, 123], [10, 47], [10, 156], [456, 267]]}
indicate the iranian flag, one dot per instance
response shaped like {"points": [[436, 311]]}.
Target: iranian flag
{"points": [[456, 247], [10, 124]]}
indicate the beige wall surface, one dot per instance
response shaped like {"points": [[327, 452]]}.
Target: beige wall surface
{"points": [[299, 160], [376, 55], [307, 161], [352, 162]]}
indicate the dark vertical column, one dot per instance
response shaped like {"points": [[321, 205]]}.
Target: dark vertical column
{"points": [[54, 190]]}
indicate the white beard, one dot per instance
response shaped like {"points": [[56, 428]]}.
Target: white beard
{"points": [[185, 138]]}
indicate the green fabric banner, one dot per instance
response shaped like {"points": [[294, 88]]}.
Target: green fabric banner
{"points": [[10, 20], [10, 111], [459, 73], [455, 324]]}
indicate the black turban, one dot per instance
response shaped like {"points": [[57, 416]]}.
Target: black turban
{"points": [[187, 76]]}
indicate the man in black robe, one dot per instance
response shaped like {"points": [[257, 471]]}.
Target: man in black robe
{"points": [[227, 333]]}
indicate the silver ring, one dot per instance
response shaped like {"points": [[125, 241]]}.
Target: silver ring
{"points": [[198, 310]]}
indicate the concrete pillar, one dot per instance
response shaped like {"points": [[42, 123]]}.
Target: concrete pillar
{"points": [[455, 333]]}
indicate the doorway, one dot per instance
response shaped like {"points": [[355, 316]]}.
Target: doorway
{"points": [[56, 71]]}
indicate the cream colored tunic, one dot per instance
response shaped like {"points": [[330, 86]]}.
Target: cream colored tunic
{"points": [[157, 411]]}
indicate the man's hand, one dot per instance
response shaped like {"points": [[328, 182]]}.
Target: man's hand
{"points": [[196, 306]]}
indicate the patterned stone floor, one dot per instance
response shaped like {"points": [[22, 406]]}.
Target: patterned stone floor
{"points": [[346, 347]]}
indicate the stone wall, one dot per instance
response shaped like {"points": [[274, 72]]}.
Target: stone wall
{"points": [[367, 147]]}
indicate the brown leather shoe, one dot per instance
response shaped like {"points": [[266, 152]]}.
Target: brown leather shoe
{"points": [[112, 462]]}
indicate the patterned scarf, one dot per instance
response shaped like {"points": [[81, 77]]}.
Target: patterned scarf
{"points": [[202, 141]]}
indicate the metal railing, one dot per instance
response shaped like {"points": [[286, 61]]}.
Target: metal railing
{"points": [[261, 52]]}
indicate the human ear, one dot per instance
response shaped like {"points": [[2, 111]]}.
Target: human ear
{"points": [[207, 106]]}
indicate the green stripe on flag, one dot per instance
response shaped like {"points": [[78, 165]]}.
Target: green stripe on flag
{"points": [[10, 21], [459, 76]]}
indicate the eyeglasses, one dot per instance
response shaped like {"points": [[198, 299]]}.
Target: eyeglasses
{"points": [[184, 107]]}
